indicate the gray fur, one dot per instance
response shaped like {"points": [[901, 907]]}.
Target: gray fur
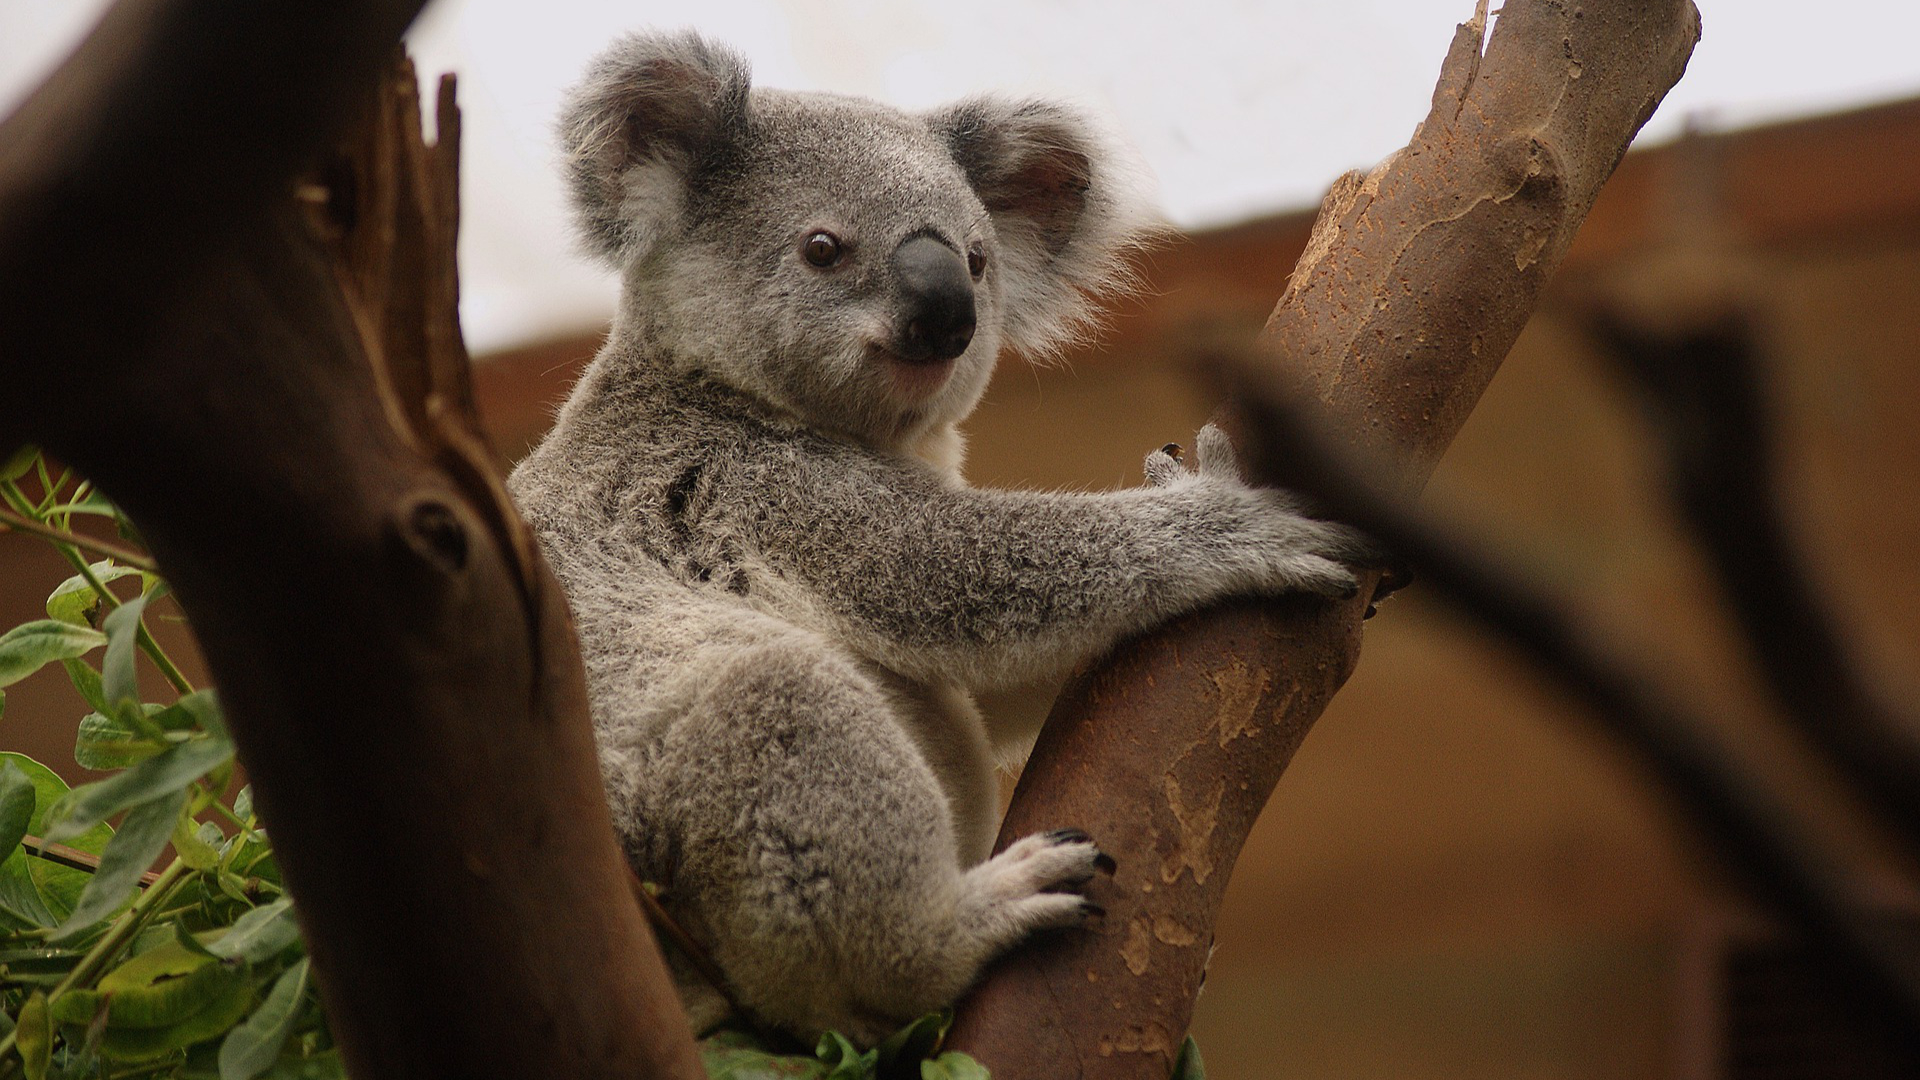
{"points": [[785, 594]]}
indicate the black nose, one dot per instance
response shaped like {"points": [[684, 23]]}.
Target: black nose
{"points": [[937, 300]]}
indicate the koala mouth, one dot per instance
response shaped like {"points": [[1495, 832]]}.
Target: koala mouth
{"points": [[913, 380]]}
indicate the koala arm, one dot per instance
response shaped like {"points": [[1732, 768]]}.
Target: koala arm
{"points": [[994, 588]]}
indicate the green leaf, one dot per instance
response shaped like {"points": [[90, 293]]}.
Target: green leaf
{"points": [[842, 1060], [19, 462], [20, 897], [1188, 1065], [3, 701], [260, 934], [86, 680], [142, 837], [740, 1055], [190, 844], [900, 1054], [104, 743], [26, 648], [118, 680], [251, 1048], [953, 1065], [158, 988], [243, 803], [131, 1044], [37, 890], [17, 799], [199, 710], [74, 597], [33, 1036], [165, 773]]}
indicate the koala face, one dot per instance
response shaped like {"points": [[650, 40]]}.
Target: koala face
{"points": [[851, 264]]}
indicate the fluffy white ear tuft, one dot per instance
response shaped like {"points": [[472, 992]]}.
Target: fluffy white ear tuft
{"points": [[651, 111], [1066, 207]]}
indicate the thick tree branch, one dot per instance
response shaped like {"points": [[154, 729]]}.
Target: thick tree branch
{"points": [[290, 428], [1417, 280]]}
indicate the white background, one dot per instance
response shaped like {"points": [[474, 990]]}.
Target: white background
{"points": [[1238, 108]]}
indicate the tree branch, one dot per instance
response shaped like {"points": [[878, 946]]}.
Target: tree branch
{"points": [[396, 663], [1701, 380], [1735, 816], [1417, 280]]}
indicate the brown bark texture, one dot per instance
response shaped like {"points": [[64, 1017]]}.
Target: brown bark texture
{"points": [[279, 398], [1417, 280]]}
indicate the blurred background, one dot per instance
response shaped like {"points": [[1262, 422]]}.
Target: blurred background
{"points": [[1456, 877]]}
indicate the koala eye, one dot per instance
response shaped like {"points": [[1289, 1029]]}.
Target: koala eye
{"points": [[822, 249], [976, 259]]}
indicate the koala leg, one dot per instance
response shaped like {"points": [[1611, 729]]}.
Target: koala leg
{"points": [[814, 844]]}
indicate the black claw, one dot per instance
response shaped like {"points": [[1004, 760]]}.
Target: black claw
{"points": [[1092, 910], [1069, 836], [1104, 863], [1173, 451]]}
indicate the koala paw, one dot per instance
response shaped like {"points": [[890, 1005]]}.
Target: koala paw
{"points": [[1035, 884]]}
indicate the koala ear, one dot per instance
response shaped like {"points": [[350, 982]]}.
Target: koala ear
{"points": [[650, 111], [1065, 210]]}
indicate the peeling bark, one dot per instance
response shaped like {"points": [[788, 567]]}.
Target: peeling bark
{"points": [[1417, 280]]}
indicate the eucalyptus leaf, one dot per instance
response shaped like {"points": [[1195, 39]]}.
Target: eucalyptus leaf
{"points": [[843, 1061], [108, 742], [74, 597], [17, 798], [1188, 1065], [142, 837], [167, 772], [899, 1054], [735, 1055], [20, 895], [122, 624], [260, 934], [191, 846], [33, 1036], [29, 646], [159, 988], [953, 1065], [199, 710], [86, 680], [251, 1048], [136, 1044], [38, 889], [19, 462]]}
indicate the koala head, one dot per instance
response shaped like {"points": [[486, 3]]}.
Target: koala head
{"points": [[854, 265]]}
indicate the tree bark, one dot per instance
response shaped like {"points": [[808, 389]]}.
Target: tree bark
{"points": [[292, 430], [1417, 280]]}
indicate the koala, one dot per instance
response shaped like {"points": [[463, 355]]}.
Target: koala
{"points": [[786, 596]]}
